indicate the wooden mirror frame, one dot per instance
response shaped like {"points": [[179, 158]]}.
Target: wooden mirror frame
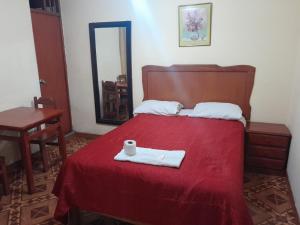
{"points": [[92, 27]]}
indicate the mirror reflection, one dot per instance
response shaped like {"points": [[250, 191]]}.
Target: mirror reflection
{"points": [[111, 71]]}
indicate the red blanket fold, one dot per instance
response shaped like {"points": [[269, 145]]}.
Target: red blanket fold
{"points": [[207, 189]]}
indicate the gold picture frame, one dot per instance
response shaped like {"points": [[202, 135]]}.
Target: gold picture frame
{"points": [[195, 24]]}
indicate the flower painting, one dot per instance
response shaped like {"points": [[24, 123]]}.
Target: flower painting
{"points": [[195, 24]]}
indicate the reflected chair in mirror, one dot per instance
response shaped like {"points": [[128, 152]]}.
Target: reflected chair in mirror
{"points": [[111, 100], [114, 102], [46, 138]]}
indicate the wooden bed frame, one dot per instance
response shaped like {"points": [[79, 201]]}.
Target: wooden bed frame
{"points": [[191, 84]]}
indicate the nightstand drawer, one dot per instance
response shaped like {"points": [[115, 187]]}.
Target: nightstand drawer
{"points": [[266, 163], [268, 140], [267, 152]]}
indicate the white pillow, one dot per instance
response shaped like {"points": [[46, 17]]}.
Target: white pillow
{"points": [[217, 110], [159, 107]]}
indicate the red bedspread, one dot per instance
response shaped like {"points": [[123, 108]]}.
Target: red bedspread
{"points": [[207, 189]]}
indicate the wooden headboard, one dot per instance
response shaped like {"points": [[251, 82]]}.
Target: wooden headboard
{"points": [[191, 84]]}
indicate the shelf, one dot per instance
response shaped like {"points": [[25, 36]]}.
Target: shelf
{"points": [[49, 6]]}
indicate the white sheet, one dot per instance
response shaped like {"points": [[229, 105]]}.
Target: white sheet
{"points": [[153, 157]]}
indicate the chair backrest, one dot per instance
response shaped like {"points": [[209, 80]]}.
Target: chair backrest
{"points": [[109, 86], [44, 102], [111, 98], [110, 93]]}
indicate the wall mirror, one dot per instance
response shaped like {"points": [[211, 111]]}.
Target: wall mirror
{"points": [[111, 66]]}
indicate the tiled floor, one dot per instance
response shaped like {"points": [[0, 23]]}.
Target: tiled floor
{"points": [[267, 197]]}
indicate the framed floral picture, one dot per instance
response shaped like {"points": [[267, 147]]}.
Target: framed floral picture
{"points": [[195, 24]]}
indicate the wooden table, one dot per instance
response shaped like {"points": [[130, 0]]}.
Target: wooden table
{"points": [[122, 85], [23, 119]]}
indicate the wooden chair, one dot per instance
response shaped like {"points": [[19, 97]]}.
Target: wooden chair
{"points": [[45, 138], [3, 175], [111, 99]]}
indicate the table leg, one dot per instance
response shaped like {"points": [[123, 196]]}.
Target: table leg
{"points": [[62, 143], [45, 157], [1, 207], [26, 153]]}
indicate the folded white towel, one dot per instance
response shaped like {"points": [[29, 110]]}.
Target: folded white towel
{"points": [[153, 156]]}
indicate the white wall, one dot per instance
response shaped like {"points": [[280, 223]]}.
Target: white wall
{"points": [[108, 54], [18, 68], [294, 124], [259, 33], [108, 57]]}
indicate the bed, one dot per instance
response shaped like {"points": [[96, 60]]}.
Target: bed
{"points": [[206, 189]]}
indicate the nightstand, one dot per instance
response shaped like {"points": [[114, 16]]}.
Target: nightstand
{"points": [[267, 147]]}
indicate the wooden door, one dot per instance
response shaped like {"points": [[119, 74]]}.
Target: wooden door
{"points": [[50, 56]]}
